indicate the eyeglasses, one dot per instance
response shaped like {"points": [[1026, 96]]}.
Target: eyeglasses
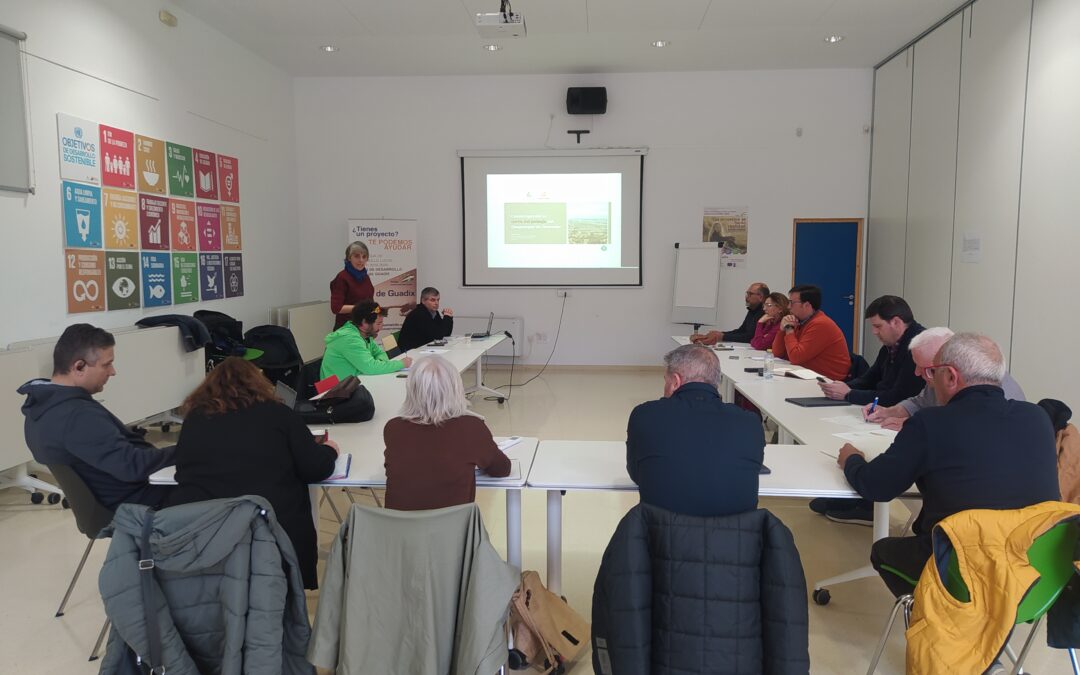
{"points": [[930, 370]]}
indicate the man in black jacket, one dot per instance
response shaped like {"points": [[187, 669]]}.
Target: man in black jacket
{"points": [[755, 301], [690, 452], [976, 450], [65, 425], [425, 323]]}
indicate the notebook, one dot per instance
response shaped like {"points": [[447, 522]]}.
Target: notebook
{"points": [[341, 467], [286, 393], [486, 333], [816, 402]]}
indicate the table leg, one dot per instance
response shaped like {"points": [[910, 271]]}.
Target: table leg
{"points": [[554, 541], [479, 386], [728, 389], [513, 528], [881, 530]]}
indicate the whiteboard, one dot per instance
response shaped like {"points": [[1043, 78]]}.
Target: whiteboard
{"points": [[697, 283]]}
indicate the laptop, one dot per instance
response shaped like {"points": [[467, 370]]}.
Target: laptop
{"points": [[486, 333], [286, 393]]}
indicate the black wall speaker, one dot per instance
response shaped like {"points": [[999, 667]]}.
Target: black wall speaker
{"points": [[586, 100]]}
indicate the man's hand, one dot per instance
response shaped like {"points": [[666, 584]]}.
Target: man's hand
{"points": [[835, 390], [333, 445], [407, 361], [789, 322], [710, 338], [879, 413], [847, 451], [448, 312], [894, 423]]}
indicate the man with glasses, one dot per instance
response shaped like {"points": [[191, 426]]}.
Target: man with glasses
{"points": [[354, 348], [810, 339], [976, 450], [755, 299]]}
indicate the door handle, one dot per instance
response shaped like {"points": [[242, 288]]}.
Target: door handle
{"points": [[848, 297]]}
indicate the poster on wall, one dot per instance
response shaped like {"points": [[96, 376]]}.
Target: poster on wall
{"points": [[154, 222], [182, 224], [85, 280], [234, 275], [82, 215], [117, 158], [391, 265], [78, 143], [209, 219], [730, 227], [211, 287], [150, 161], [156, 283], [120, 218], [229, 178], [185, 275], [178, 163], [230, 228], [122, 279], [206, 185]]}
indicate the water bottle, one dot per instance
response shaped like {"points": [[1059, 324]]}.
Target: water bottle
{"points": [[766, 370]]}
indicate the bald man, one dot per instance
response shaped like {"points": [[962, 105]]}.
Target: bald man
{"points": [[755, 301]]}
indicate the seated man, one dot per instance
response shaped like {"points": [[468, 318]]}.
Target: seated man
{"points": [[755, 299], [892, 378], [354, 348], [425, 323], [924, 347], [809, 338], [690, 452], [64, 425], [976, 450]]}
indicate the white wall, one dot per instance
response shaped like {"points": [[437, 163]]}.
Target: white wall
{"points": [[385, 147], [194, 73]]}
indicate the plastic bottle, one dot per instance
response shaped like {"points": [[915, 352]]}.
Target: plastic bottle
{"points": [[767, 369]]}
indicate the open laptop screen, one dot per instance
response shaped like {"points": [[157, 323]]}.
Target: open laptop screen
{"points": [[286, 393]]}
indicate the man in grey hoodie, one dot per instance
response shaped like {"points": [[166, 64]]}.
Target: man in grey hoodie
{"points": [[65, 425]]}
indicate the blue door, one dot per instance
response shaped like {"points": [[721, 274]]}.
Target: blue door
{"points": [[827, 255]]}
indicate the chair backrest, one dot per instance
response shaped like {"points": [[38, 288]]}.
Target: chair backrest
{"points": [[390, 344], [859, 366], [90, 515], [310, 375], [1052, 557]]}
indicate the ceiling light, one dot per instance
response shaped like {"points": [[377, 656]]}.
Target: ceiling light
{"points": [[492, 48], [661, 43], [329, 49], [833, 39]]}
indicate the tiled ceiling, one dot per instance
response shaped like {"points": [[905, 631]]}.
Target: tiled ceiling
{"points": [[438, 37]]}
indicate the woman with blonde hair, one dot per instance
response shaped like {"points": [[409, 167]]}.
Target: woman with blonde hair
{"points": [[238, 439], [351, 285], [776, 307], [435, 443]]}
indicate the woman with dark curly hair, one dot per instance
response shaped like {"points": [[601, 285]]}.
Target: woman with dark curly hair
{"points": [[239, 439]]}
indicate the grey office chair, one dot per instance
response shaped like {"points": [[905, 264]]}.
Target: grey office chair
{"points": [[90, 518]]}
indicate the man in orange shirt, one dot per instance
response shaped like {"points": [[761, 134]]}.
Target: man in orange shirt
{"points": [[810, 339]]}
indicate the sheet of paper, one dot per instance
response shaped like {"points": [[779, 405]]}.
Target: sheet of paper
{"points": [[507, 442], [856, 437], [341, 467], [431, 350], [851, 422]]}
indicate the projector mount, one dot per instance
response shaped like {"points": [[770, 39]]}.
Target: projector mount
{"points": [[578, 132]]}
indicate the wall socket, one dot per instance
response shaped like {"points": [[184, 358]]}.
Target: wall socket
{"points": [[562, 293]]}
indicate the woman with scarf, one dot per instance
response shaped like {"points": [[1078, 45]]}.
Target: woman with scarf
{"points": [[351, 285]]}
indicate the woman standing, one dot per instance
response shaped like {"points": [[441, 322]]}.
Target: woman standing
{"points": [[351, 285], [776, 308], [239, 439], [436, 443]]}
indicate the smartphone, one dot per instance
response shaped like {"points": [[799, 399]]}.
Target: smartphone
{"points": [[320, 435], [402, 375], [734, 357], [753, 370], [821, 379], [764, 470]]}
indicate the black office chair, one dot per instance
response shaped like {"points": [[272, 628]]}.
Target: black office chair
{"points": [[90, 517], [859, 366]]}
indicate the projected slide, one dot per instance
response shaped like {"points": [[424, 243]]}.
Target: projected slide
{"points": [[568, 220]]}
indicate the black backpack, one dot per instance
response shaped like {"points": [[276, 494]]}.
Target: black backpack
{"points": [[280, 360], [226, 336]]}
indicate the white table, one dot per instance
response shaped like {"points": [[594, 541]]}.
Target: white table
{"points": [[735, 358], [367, 471], [809, 426], [797, 471]]}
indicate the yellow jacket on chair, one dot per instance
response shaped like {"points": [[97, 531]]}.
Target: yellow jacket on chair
{"points": [[950, 636]]}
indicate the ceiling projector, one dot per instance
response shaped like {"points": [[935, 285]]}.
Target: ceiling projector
{"points": [[500, 25]]}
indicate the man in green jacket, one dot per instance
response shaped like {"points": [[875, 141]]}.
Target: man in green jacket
{"points": [[354, 348]]}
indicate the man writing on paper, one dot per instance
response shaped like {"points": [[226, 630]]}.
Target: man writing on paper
{"points": [[354, 348], [755, 299], [65, 425], [810, 339], [977, 450], [924, 347], [425, 323], [690, 452]]}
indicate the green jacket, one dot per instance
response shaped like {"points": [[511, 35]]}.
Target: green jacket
{"points": [[350, 353], [411, 592]]}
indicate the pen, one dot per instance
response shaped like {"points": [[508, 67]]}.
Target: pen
{"points": [[873, 407]]}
